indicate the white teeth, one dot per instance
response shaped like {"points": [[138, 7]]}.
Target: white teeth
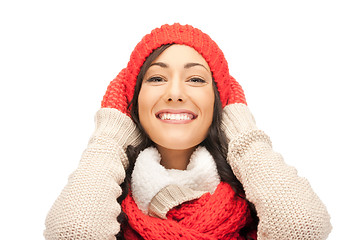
{"points": [[169, 116]]}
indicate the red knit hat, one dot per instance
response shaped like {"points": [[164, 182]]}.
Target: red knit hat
{"points": [[120, 91]]}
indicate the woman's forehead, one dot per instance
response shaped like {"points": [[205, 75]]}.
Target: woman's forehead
{"points": [[182, 55]]}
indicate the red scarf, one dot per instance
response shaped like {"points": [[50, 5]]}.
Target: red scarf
{"points": [[218, 216]]}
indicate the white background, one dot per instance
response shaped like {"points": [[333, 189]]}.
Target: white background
{"points": [[57, 58]]}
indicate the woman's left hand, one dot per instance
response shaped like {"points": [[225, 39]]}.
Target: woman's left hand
{"points": [[237, 119]]}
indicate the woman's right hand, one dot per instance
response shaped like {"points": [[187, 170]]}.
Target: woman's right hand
{"points": [[237, 119], [112, 123], [115, 128], [113, 119]]}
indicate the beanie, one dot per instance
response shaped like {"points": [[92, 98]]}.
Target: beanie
{"points": [[120, 91]]}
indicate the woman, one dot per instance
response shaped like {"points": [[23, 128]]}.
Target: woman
{"points": [[178, 148]]}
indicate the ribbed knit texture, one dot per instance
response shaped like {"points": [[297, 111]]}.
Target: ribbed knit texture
{"points": [[170, 197], [120, 91], [218, 216]]}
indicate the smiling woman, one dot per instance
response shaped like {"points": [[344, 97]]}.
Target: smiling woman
{"points": [[176, 109], [176, 154]]}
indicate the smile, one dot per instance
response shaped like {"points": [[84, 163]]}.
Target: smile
{"points": [[170, 116], [176, 116]]}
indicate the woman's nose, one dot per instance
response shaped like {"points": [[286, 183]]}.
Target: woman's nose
{"points": [[172, 99], [175, 91]]}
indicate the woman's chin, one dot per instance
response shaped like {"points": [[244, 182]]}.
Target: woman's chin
{"points": [[177, 144]]}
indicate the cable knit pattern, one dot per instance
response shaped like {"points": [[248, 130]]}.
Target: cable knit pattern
{"points": [[286, 204]]}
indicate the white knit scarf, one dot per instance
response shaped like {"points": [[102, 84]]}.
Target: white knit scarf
{"points": [[149, 176]]}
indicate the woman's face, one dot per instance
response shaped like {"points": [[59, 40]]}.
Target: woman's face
{"points": [[176, 99]]}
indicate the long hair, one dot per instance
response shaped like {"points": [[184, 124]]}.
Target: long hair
{"points": [[215, 142]]}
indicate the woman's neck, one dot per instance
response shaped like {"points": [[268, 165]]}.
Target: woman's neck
{"points": [[175, 159]]}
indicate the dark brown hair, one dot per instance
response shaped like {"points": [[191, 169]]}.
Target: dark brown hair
{"points": [[216, 142]]}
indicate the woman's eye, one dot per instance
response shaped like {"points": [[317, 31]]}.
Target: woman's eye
{"points": [[155, 79], [197, 80]]}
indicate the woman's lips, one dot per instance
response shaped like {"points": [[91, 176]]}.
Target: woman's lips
{"points": [[176, 116]]}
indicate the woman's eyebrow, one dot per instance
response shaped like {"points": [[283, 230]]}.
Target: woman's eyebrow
{"points": [[160, 64], [189, 65]]}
